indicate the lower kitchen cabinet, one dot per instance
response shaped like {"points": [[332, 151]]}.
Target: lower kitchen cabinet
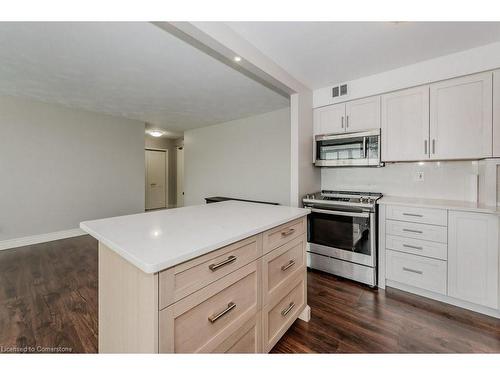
{"points": [[473, 258], [460, 266]]}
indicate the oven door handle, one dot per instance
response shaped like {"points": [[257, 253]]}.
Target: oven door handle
{"points": [[341, 213]]}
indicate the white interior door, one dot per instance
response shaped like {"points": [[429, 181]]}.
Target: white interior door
{"points": [[180, 176], [156, 179]]}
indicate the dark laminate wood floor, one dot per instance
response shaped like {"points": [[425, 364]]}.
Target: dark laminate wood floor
{"points": [[48, 296], [48, 299]]}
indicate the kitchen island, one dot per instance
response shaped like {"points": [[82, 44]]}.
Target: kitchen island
{"points": [[224, 277]]}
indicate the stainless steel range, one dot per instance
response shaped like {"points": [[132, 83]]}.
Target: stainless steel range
{"points": [[342, 234]]}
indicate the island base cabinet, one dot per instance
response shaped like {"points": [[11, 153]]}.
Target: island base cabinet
{"points": [[473, 258], [246, 340], [283, 310], [201, 322]]}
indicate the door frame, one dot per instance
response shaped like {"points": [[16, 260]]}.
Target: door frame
{"points": [[166, 175]]}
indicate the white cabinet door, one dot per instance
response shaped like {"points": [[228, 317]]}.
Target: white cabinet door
{"points": [[329, 119], [405, 125], [496, 114], [363, 114], [461, 117], [473, 260]]}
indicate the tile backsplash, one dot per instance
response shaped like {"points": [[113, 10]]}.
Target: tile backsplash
{"points": [[455, 180]]}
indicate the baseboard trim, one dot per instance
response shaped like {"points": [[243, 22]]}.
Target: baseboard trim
{"points": [[442, 298], [40, 238]]}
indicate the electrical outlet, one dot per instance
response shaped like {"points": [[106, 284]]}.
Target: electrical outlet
{"points": [[419, 176]]}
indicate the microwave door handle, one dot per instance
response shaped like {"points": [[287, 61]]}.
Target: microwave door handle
{"points": [[341, 213], [364, 147]]}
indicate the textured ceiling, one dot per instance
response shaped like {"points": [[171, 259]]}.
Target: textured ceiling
{"points": [[134, 70], [322, 53]]}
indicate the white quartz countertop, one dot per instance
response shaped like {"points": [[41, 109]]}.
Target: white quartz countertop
{"points": [[439, 203], [157, 240]]}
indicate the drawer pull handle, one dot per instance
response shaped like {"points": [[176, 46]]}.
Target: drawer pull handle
{"points": [[288, 232], [215, 317], [412, 270], [412, 231], [413, 247], [288, 309], [216, 266], [414, 215], [291, 263]]}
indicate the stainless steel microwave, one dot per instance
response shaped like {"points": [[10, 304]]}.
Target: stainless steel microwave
{"points": [[359, 149]]}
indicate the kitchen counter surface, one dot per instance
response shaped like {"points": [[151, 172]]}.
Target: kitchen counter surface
{"points": [[154, 241], [439, 203]]}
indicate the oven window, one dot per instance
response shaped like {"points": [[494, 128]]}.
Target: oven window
{"points": [[340, 149], [342, 232]]}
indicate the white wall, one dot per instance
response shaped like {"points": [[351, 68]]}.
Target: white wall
{"points": [[60, 166], [458, 64], [442, 180], [247, 158]]}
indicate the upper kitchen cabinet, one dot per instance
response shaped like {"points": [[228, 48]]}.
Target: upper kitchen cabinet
{"points": [[405, 125], [496, 114], [329, 119], [362, 114], [461, 118]]}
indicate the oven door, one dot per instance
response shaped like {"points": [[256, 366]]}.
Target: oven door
{"points": [[343, 235]]}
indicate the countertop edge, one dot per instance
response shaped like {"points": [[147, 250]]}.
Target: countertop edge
{"points": [[447, 205], [155, 268]]}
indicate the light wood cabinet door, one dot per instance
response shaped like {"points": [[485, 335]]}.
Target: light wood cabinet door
{"points": [[461, 118], [473, 258], [496, 114], [405, 125], [202, 321], [362, 114], [329, 119]]}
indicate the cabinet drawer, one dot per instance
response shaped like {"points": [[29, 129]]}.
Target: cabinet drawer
{"points": [[247, 339], [414, 270], [282, 311], [418, 247], [282, 264], [280, 235], [418, 215], [205, 319], [186, 278], [419, 231]]}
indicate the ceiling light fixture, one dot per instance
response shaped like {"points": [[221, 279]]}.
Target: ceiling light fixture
{"points": [[237, 58], [155, 133]]}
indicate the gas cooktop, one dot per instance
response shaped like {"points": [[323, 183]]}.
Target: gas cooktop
{"points": [[343, 198]]}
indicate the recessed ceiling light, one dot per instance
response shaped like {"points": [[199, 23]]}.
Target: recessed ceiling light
{"points": [[237, 58], [155, 133]]}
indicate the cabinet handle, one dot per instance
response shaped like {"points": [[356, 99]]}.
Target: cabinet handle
{"points": [[288, 265], [288, 232], [425, 147], [414, 215], [433, 146], [413, 231], [288, 309], [215, 317], [413, 247], [412, 270], [342, 122], [215, 266], [347, 121]]}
